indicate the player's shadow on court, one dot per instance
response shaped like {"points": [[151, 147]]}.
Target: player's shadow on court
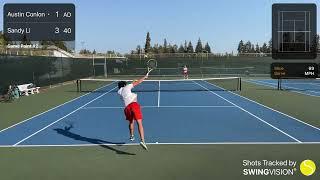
{"points": [[66, 132]]}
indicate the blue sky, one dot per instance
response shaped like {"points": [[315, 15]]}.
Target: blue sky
{"points": [[121, 25]]}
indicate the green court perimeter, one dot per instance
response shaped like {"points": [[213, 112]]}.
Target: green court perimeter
{"points": [[223, 161]]}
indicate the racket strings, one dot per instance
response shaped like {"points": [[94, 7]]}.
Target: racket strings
{"points": [[151, 65]]}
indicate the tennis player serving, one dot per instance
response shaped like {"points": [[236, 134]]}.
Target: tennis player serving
{"points": [[132, 109]]}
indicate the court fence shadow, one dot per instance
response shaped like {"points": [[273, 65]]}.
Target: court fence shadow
{"points": [[102, 143]]}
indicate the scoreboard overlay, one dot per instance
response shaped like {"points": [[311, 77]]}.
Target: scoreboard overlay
{"points": [[294, 70], [39, 22]]}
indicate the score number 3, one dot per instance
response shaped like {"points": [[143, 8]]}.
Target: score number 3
{"points": [[65, 30]]}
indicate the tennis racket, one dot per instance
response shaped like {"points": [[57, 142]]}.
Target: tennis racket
{"points": [[151, 65]]}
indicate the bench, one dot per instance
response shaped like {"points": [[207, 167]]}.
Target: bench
{"points": [[27, 89]]}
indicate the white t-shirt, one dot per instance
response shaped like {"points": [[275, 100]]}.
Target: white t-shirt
{"points": [[127, 96]]}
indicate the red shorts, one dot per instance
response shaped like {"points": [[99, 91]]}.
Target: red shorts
{"points": [[185, 73], [133, 112]]}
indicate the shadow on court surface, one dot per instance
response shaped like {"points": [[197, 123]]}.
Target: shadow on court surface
{"points": [[66, 132]]}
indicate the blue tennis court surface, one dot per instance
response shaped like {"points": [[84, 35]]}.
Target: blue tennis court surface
{"points": [[306, 87], [169, 117]]}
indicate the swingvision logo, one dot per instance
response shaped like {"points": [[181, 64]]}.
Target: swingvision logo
{"points": [[307, 167], [277, 167], [269, 167]]}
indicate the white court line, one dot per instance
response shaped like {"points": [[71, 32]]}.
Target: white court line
{"points": [[196, 106], [102, 107], [160, 143], [63, 117], [301, 83], [120, 107], [260, 119], [52, 109], [291, 117], [315, 84], [288, 82], [275, 86]]}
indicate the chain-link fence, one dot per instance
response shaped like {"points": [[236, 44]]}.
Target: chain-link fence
{"points": [[46, 71], [42, 71]]}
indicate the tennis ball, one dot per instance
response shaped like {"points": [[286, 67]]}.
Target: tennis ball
{"points": [[307, 167], [156, 142]]}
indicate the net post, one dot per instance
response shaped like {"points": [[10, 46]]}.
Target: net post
{"points": [[93, 65], [240, 86], [279, 84], [77, 83], [105, 67]]}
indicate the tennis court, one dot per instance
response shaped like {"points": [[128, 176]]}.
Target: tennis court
{"points": [[175, 112], [309, 87]]}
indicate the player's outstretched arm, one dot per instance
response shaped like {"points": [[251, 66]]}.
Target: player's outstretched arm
{"points": [[136, 83]]}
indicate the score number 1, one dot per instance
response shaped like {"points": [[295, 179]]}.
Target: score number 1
{"points": [[65, 14]]}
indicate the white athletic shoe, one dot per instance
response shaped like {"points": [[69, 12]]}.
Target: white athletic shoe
{"points": [[132, 138], [143, 145]]}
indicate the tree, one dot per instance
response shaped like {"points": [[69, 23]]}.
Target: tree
{"points": [[185, 46], [241, 47], [173, 48], [247, 47], [45, 44], [257, 50], [3, 40], [207, 48], [252, 49], [61, 45], [138, 49], [264, 48], [270, 46], [165, 46], [199, 46], [84, 51], [161, 49], [25, 40], [181, 49], [109, 53], [190, 48], [148, 43], [94, 52], [156, 49]]}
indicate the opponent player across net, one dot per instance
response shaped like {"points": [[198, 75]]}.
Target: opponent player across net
{"points": [[132, 108]]}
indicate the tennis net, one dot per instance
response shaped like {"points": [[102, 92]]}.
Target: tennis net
{"points": [[299, 84], [207, 84]]}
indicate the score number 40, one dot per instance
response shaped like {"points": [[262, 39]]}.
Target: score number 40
{"points": [[65, 30]]}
